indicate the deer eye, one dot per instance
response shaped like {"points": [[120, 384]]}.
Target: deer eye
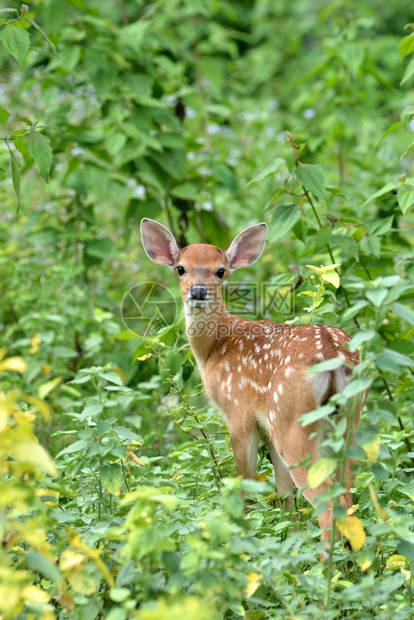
{"points": [[180, 270], [220, 273]]}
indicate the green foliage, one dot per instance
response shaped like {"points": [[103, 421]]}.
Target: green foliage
{"points": [[208, 116]]}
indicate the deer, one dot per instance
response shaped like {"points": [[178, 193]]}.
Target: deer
{"points": [[256, 372]]}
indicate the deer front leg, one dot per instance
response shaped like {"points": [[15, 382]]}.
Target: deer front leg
{"points": [[244, 441]]}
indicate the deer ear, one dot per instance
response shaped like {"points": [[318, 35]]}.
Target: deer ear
{"points": [[159, 244], [246, 248]]}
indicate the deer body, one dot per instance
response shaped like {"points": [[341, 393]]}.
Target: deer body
{"points": [[256, 371]]}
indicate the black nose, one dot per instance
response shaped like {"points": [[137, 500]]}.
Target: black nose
{"points": [[198, 292]]}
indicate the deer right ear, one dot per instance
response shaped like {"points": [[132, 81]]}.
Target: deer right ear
{"points": [[246, 248], [159, 244]]}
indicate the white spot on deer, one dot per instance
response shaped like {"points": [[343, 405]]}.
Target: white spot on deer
{"points": [[226, 366], [239, 368], [280, 388], [287, 360], [304, 339], [275, 397], [223, 349], [266, 356], [319, 356], [301, 355], [269, 385], [272, 417], [288, 371], [267, 346], [241, 346]]}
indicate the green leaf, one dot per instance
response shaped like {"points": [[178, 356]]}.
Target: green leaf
{"points": [[101, 248], [311, 176], [39, 148], [16, 41], [406, 45], [283, 218], [356, 387], [405, 197], [112, 478], [77, 446], [381, 226], [42, 565], [390, 130], [186, 191], [90, 411], [111, 376], [409, 71], [361, 337], [376, 296], [118, 595], [15, 171], [4, 116], [371, 246], [347, 245], [406, 313], [52, 45], [267, 172], [397, 358], [322, 238], [406, 549], [389, 187], [316, 414], [331, 364]]}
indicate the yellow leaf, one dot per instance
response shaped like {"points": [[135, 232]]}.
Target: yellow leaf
{"points": [[395, 562], [365, 562], [35, 343], [81, 581], [382, 513], [35, 595], [305, 511], [332, 278], [45, 388], [142, 358], [135, 459], [353, 530], [253, 582], [320, 270], [320, 471], [372, 449], [261, 477], [69, 559], [46, 369], [66, 600], [39, 404], [13, 364], [28, 451]]}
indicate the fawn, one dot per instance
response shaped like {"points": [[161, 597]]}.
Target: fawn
{"points": [[256, 371]]}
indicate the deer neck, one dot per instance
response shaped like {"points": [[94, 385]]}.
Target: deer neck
{"points": [[206, 327]]}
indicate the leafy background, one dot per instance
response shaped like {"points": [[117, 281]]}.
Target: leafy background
{"points": [[119, 497]]}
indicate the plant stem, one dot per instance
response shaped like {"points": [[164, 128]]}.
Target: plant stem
{"points": [[216, 471]]}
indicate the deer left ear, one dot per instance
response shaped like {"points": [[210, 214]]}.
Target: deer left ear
{"points": [[159, 243], [247, 247]]}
